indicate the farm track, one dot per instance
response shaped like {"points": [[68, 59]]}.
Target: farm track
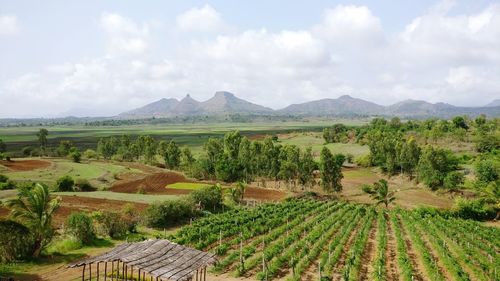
{"points": [[391, 265], [369, 254]]}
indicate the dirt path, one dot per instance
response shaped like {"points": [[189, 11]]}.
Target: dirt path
{"points": [[391, 267], [369, 253]]}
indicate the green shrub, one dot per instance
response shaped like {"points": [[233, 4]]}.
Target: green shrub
{"points": [[79, 225], [453, 180], [2, 155], [75, 155], [475, 209], [83, 185], [3, 178], [65, 183], [90, 154], [209, 197], [168, 213], [7, 185], [16, 241], [110, 224], [64, 245], [364, 161]]}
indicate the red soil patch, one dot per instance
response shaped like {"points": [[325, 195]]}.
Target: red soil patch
{"points": [[264, 194], [154, 183], [71, 204], [25, 165]]}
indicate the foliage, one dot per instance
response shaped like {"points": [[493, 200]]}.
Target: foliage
{"points": [[3, 146], [64, 148], [110, 224], [453, 180], [475, 209], [42, 139], [79, 225], [487, 171], [168, 213], [380, 192], [364, 160], [75, 155], [209, 197], [34, 208], [83, 185], [331, 170], [170, 153], [434, 165], [6, 183], [16, 241], [65, 183], [90, 154]]}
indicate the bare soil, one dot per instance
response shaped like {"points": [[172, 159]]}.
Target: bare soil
{"points": [[25, 165], [369, 253], [391, 267], [153, 183]]}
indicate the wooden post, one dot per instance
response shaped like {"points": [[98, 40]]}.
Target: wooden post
{"points": [[196, 275], [205, 273], [112, 269], [83, 272], [139, 275], [97, 271], [319, 270], [90, 271], [105, 270], [126, 272], [123, 270], [132, 271]]}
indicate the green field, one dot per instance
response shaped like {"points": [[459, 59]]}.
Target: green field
{"points": [[128, 197], [187, 185], [316, 142], [99, 173], [192, 135]]}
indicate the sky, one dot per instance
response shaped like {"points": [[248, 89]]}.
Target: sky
{"points": [[100, 58]]}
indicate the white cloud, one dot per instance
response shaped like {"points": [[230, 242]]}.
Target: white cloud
{"points": [[8, 24], [437, 57], [124, 35], [204, 19]]}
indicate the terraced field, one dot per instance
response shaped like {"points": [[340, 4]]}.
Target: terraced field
{"points": [[330, 240]]}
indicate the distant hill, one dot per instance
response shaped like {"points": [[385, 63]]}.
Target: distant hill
{"points": [[157, 108], [493, 103], [344, 105], [225, 103]]}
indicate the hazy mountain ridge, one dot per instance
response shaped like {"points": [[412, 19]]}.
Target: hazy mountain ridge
{"points": [[226, 103]]}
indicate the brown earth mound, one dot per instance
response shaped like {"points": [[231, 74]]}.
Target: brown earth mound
{"points": [[154, 183], [264, 194], [25, 165]]}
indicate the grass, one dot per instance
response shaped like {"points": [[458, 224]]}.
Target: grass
{"points": [[91, 171], [128, 197], [316, 142], [187, 185]]}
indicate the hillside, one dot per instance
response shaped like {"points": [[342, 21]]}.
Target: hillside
{"points": [[225, 103]]}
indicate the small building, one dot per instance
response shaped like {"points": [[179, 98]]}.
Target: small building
{"points": [[157, 260]]}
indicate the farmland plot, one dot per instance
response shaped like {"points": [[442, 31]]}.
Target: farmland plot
{"points": [[307, 240]]}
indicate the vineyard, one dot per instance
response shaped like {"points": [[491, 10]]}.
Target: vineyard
{"points": [[329, 240]]}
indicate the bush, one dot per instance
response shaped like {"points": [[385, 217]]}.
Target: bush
{"points": [[75, 155], [475, 209], [4, 178], [130, 217], [168, 213], [16, 241], [65, 183], [7, 185], [487, 171], [110, 224], [27, 150], [453, 180], [209, 197], [364, 161], [90, 154], [83, 185], [2, 155], [65, 245], [79, 225]]}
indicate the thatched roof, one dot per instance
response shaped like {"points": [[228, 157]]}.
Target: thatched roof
{"points": [[158, 258]]}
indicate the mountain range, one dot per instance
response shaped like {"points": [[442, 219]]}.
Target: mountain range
{"points": [[225, 103]]}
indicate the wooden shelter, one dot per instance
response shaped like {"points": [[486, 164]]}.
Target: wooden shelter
{"points": [[157, 260]]}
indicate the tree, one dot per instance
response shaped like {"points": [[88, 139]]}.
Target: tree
{"points": [[64, 148], [209, 197], [410, 154], [42, 139], [79, 225], [380, 192], [331, 170], [3, 146], [241, 186], [434, 165], [187, 160], [147, 147], [34, 208], [307, 165], [453, 180], [107, 147], [171, 154]]}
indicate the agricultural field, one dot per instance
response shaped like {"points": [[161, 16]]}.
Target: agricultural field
{"points": [[191, 135], [333, 240]]}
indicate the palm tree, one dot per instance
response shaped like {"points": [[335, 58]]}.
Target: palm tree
{"points": [[380, 192], [35, 209]]}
